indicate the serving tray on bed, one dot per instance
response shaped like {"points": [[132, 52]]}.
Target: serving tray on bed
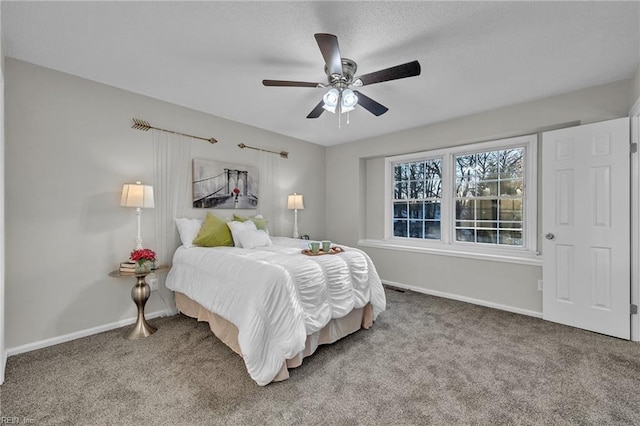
{"points": [[332, 250]]}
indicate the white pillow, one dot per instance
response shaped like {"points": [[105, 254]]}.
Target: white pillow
{"points": [[252, 239], [237, 228], [188, 230]]}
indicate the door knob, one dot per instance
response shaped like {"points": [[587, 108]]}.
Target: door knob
{"points": [[549, 236]]}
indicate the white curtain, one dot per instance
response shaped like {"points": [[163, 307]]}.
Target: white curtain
{"points": [[268, 202], [172, 189]]}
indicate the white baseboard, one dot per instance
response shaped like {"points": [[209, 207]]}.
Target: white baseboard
{"points": [[84, 333], [464, 299]]}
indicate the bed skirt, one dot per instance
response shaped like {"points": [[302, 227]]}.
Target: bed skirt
{"points": [[227, 332]]}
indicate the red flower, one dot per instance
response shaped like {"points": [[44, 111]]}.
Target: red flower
{"points": [[236, 191], [143, 255]]}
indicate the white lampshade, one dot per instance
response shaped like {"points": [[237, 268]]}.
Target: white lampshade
{"points": [[349, 100], [330, 100], [295, 202], [137, 195]]}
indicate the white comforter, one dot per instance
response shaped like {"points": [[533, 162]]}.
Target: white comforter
{"points": [[275, 295]]}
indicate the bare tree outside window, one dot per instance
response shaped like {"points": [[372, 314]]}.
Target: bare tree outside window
{"points": [[489, 197], [417, 199]]}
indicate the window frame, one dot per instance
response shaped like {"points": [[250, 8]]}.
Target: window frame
{"points": [[447, 240]]}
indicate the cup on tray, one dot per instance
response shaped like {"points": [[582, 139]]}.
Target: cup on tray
{"points": [[314, 247], [326, 246]]}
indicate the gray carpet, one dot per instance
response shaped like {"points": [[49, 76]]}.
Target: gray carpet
{"points": [[426, 360]]}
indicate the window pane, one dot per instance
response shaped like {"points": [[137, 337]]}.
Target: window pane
{"points": [[510, 225], [416, 210], [433, 179], [467, 235], [511, 238], [487, 165], [400, 210], [487, 188], [463, 224], [511, 163], [465, 209], [416, 171], [486, 209], [432, 210], [401, 172], [511, 187], [416, 229], [432, 230], [487, 236], [416, 190], [511, 209], [465, 166], [400, 228], [466, 187], [486, 224], [401, 191]]}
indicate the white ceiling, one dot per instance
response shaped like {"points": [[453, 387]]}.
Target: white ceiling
{"points": [[212, 56]]}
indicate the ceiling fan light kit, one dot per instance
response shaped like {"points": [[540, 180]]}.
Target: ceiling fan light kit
{"points": [[330, 100], [340, 75]]}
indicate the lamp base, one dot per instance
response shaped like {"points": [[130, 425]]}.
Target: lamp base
{"points": [[295, 224], [138, 235]]}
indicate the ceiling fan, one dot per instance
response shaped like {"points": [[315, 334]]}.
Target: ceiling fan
{"points": [[340, 75]]}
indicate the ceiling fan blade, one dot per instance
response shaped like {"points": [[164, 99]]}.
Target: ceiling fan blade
{"points": [[328, 44], [410, 69], [286, 83], [370, 105], [315, 113]]}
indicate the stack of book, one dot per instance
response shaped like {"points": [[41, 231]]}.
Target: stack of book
{"points": [[128, 267]]}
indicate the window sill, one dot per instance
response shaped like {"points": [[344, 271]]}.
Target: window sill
{"points": [[508, 256]]}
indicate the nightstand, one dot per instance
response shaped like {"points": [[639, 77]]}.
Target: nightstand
{"points": [[140, 294]]}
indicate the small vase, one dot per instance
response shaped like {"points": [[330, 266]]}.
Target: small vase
{"points": [[144, 267]]}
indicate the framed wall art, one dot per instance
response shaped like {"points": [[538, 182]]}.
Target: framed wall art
{"points": [[220, 185]]}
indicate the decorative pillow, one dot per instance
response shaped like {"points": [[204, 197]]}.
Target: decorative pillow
{"points": [[214, 233], [261, 223], [252, 239], [188, 230], [238, 228]]}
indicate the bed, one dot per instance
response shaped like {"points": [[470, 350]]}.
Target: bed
{"points": [[273, 304]]}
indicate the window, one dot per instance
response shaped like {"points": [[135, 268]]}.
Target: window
{"points": [[489, 189], [474, 197], [417, 197]]}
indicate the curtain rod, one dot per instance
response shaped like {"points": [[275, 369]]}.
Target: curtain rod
{"points": [[144, 126], [283, 154]]}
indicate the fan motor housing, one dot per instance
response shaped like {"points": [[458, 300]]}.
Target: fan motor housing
{"points": [[349, 68]]}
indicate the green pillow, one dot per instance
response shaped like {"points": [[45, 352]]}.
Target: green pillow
{"points": [[214, 233], [261, 223]]}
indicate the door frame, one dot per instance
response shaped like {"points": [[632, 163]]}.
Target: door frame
{"points": [[634, 116]]}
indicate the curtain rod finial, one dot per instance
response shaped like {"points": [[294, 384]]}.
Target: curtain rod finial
{"points": [[212, 141], [241, 145], [140, 125]]}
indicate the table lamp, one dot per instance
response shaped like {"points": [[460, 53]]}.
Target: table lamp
{"points": [[295, 203], [139, 196]]}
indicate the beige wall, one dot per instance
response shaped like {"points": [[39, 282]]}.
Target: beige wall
{"points": [[69, 149], [508, 285]]}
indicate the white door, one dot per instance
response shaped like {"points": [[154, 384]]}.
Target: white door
{"points": [[586, 227], [3, 354]]}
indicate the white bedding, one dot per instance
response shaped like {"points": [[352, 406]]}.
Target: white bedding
{"points": [[275, 295]]}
